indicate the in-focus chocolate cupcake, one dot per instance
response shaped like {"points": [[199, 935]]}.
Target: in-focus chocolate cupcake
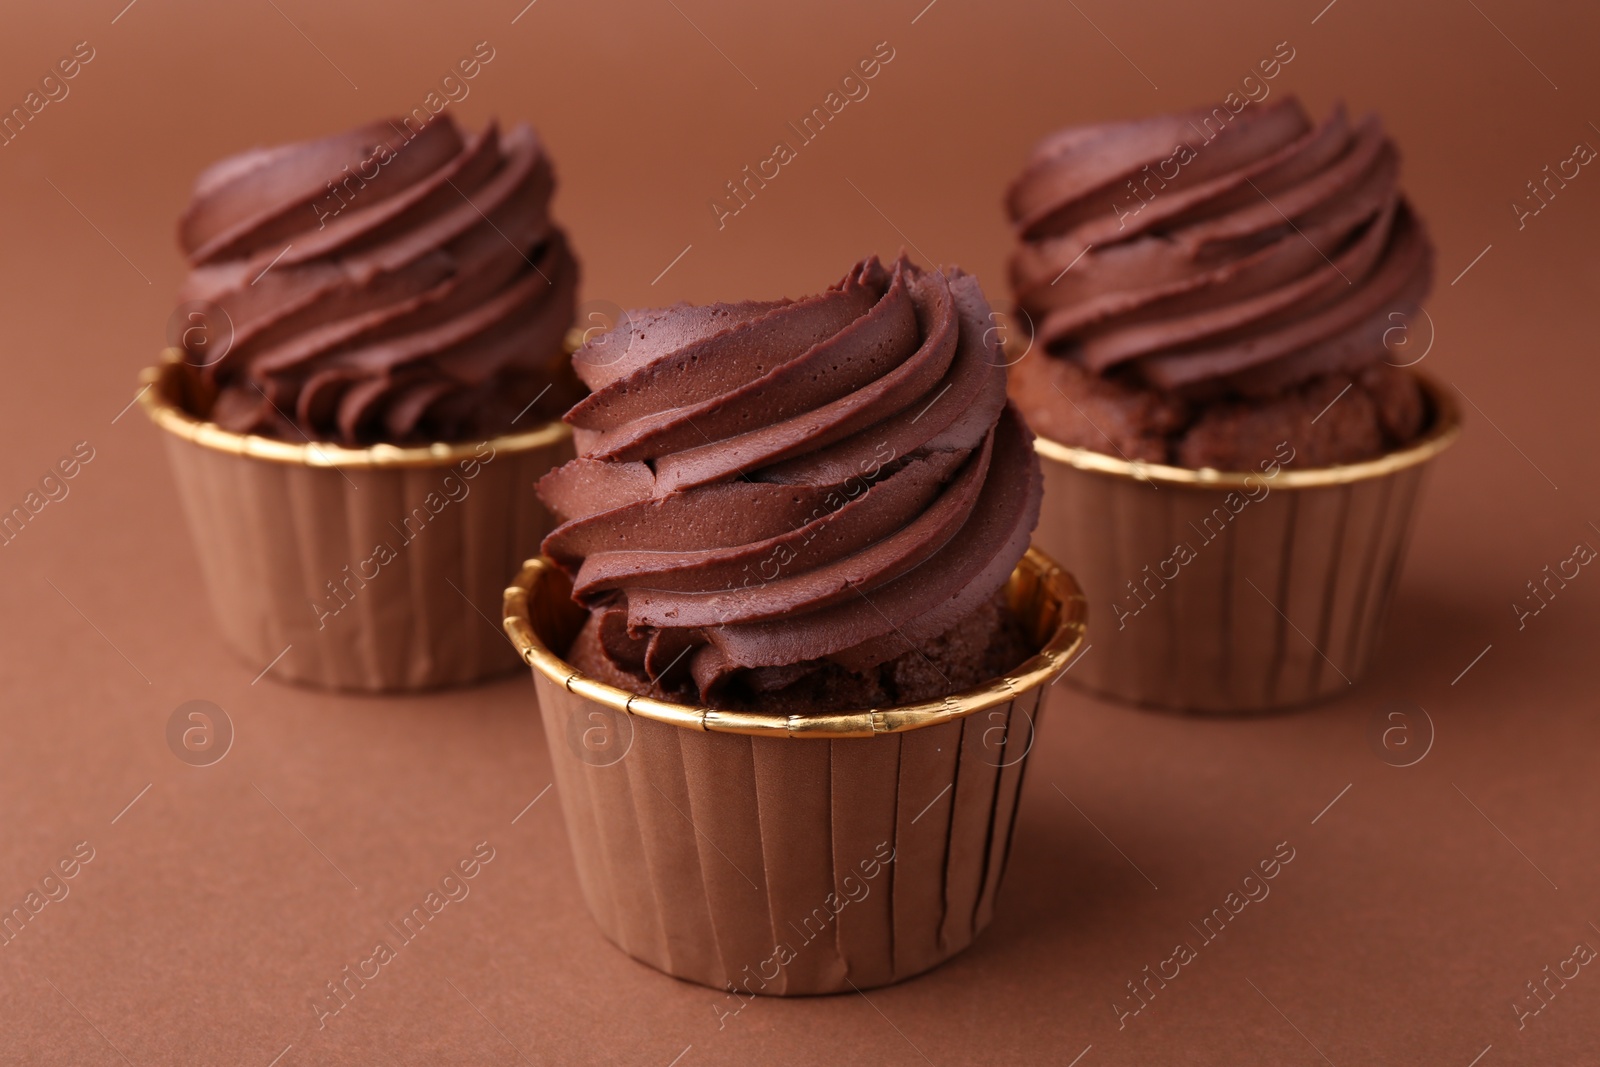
{"points": [[1221, 304], [803, 521], [807, 504], [368, 356]]}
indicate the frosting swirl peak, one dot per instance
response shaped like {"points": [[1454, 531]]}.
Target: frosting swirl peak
{"points": [[763, 488]]}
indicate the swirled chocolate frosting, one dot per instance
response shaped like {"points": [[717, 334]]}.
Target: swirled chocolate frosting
{"points": [[1214, 253], [766, 488], [393, 283]]}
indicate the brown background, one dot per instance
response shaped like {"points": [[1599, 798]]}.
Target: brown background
{"points": [[1402, 931]]}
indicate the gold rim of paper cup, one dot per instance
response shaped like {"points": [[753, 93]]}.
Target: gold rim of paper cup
{"points": [[158, 397], [1441, 435], [1054, 655]]}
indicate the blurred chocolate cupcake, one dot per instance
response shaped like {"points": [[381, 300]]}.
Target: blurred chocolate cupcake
{"points": [[383, 286], [1207, 288], [1224, 301], [367, 360], [802, 521]]}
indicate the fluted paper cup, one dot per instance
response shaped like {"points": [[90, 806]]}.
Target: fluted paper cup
{"points": [[377, 568], [1234, 591], [787, 855]]}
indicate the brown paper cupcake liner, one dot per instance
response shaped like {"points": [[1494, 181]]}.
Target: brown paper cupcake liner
{"points": [[377, 568], [799, 854], [1234, 592]]}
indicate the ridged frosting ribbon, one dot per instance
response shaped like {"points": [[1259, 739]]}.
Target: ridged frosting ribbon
{"points": [[1211, 252], [762, 487], [392, 283]]}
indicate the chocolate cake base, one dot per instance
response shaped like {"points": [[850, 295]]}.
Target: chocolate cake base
{"points": [[986, 644], [1332, 419]]}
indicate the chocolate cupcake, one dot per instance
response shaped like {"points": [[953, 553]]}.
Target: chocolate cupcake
{"points": [[367, 360], [803, 521], [775, 505], [1223, 302]]}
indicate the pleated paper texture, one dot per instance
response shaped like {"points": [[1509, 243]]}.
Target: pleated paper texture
{"points": [[787, 855], [788, 866], [365, 576], [1279, 598]]}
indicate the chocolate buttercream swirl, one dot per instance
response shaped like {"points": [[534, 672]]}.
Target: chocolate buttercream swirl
{"points": [[1212, 252], [391, 283], [764, 488]]}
